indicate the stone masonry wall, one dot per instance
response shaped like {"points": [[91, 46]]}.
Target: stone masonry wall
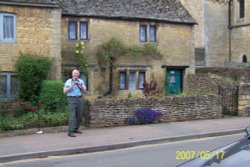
{"points": [[244, 99], [116, 112], [205, 83], [237, 74]]}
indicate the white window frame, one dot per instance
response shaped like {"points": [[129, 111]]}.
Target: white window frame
{"points": [[2, 15], [8, 94]]}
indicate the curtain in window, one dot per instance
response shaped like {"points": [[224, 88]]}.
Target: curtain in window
{"points": [[152, 32], [132, 81], [122, 80], [3, 86], [14, 86], [83, 30], [8, 27], [143, 33], [141, 80], [72, 30]]}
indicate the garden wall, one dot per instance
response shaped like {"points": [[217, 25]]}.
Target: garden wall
{"points": [[205, 83], [237, 74], [110, 112]]}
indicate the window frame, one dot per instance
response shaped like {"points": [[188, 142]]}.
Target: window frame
{"points": [[132, 85], [154, 35], [9, 95], [139, 80], [143, 27], [86, 30], [241, 9], [2, 39], [125, 80], [69, 30]]}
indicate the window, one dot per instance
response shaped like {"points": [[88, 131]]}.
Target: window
{"points": [[83, 30], [152, 33], [122, 79], [7, 27], [143, 33], [244, 59], [85, 80], [147, 30], [242, 8], [8, 86], [73, 30], [141, 79], [132, 81], [135, 81]]}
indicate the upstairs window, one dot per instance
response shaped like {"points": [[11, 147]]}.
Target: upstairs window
{"points": [[83, 30], [143, 33], [72, 30], [77, 30], [7, 27], [241, 8], [147, 31], [152, 33]]}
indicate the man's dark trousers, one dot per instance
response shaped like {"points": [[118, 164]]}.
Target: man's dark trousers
{"points": [[75, 105]]}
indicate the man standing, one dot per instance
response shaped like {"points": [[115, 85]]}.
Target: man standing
{"points": [[74, 88]]}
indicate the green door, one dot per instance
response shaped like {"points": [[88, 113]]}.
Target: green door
{"points": [[174, 82]]}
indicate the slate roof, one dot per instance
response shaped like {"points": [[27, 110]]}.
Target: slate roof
{"points": [[171, 11], [161, 10]]}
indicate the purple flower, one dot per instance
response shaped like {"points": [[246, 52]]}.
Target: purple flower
{"points": [[144, 116]]}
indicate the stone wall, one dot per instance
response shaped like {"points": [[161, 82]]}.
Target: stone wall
{"points": [[206, 83], [244, 99], [109, 112], [237, 74]]}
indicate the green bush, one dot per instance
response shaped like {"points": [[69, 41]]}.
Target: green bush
{"points": [[52, 96], [31, 71], [33, 120]]}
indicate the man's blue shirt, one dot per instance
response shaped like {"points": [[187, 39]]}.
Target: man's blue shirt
{"points": [[75, 91]]}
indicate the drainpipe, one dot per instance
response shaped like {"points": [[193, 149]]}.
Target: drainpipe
{"points": [[230, 31], [111, 75]]}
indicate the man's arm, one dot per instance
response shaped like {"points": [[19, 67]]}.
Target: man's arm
{"points": [[65, 90]]}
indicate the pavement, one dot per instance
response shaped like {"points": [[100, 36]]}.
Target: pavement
{"points": [[41, 145]]}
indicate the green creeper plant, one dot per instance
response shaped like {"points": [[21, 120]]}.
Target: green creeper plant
{"points": [[81, 57]]}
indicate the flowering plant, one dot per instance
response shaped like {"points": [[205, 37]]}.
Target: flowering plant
{"points": [[144, 116], [28, 107]]}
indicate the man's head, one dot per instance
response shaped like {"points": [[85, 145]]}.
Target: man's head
{"points": [[75, 74]]}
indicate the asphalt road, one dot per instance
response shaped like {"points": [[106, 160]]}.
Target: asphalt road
{"points": [[158, 155]]}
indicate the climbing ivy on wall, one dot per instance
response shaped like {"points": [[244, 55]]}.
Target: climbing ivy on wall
{"points": [[114, 48]]}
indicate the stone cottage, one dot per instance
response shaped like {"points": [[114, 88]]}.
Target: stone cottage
{"points": [[187, 33], [53, 28], [32, 27]]}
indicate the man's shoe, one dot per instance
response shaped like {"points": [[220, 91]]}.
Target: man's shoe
{"points": [[71, 134], [77, 131]]}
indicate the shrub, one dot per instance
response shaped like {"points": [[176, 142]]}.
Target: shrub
{"points": [[31, 71], [52, 96], [144, 116]]}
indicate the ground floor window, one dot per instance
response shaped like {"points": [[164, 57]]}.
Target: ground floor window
{"points": [[131, 80], [8, 86]]}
